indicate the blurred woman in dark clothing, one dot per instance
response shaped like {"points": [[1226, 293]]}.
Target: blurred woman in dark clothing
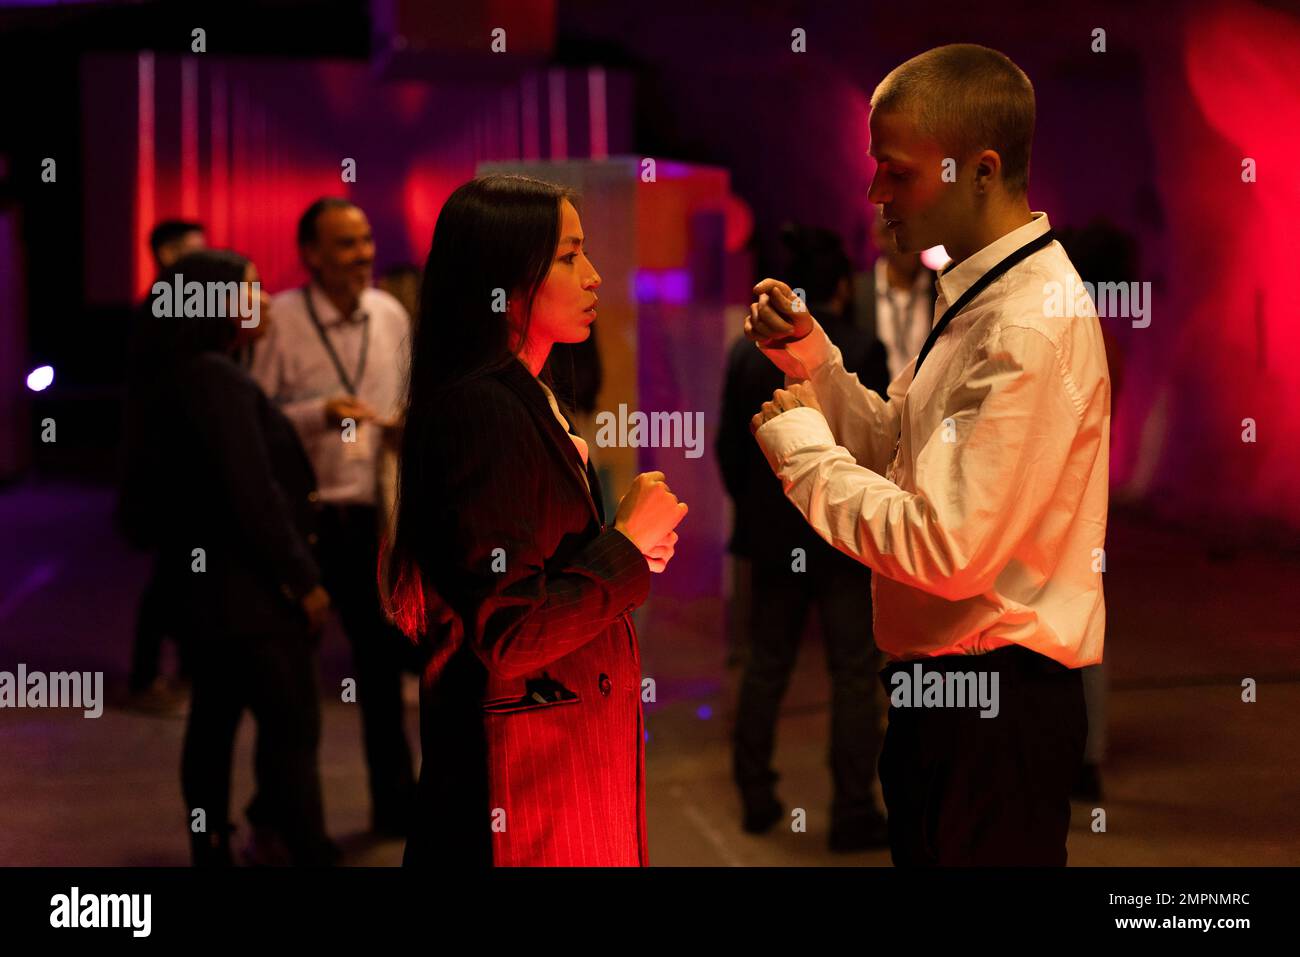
{"points": [[767, 534], [218, 482]]}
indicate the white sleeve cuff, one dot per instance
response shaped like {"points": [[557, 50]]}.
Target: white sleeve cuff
{"points": [[791, 432]]}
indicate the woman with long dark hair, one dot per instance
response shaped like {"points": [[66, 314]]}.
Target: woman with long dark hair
{"points": [[217, 481], [502, 563]]}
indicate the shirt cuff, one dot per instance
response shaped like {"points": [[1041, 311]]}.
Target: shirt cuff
{"points": [[792, 431]]}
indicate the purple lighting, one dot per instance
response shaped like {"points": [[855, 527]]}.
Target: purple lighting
{"points": [[672, 286], [40, 378]]}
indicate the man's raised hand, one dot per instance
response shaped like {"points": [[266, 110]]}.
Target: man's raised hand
{"points": [[799, 395], [778, 317]]}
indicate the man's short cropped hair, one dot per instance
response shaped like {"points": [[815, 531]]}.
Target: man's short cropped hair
{"points": [[968, 98]]}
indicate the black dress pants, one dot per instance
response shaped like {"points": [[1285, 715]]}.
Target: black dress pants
{"points": [[157, 617], [274, 677], [349, 554], [963, 790], [781, 602]]}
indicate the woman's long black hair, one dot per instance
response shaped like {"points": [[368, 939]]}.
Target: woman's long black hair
{"points": [[495, 239]]}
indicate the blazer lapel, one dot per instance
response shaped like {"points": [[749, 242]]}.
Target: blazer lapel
{"points": [[516, 375], [597, 495]]}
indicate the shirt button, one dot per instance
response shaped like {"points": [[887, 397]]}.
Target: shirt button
{"points": [[605, 684]]}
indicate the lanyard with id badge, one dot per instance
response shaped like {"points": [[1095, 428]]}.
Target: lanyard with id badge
{"points": [[977, 287], [359, 448]]}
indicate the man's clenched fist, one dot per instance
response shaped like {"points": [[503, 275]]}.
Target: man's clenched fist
{"points": [[779, 316], [800, 394]]}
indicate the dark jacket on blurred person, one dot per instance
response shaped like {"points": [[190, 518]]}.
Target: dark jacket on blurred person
{"points": [[212, 464], [767, 527]]}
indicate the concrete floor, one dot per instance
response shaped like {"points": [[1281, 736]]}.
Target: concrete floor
{"points": [[1194, 776]]}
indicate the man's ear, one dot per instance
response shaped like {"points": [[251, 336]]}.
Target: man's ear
{"points": [[988, 171], [310, 256]]}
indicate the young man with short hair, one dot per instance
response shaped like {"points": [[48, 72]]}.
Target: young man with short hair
{"points": [[979, 493]]}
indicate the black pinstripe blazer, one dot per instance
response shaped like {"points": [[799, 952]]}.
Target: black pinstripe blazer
{"points": [[531, 724]]}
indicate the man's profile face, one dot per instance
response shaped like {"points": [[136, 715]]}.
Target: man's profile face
{"points": [[343, 256], [920, 210]]}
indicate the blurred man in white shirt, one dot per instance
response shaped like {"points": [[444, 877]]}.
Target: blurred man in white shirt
{"points": [[903, 292], [979, 493], [335, 361]]}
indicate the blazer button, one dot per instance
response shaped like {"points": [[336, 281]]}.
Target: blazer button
{"points": [[312, 538], [605, 684], [313, 496]]}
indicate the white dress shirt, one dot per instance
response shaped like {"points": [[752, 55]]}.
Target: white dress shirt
{"points": [[294, 368], [903, 318], [986, 529]]}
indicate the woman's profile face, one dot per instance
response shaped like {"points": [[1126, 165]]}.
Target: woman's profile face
{"points": [[564, 308]]}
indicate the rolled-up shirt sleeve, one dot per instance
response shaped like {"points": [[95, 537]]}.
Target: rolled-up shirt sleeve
{"points": [[982, 480]]}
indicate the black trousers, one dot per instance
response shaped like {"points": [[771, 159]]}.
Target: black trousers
{"points": [[961, 789], [781, 601], [157, 617], [349, 554], [274, 677]]}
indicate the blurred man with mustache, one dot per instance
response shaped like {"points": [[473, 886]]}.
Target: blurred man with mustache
{"points": [[336, 361]]}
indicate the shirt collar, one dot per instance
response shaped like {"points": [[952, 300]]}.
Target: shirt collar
{"points": [[328, 313], [955, 280]]}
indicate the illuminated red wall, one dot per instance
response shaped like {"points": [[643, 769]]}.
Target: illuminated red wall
{"points": [[245, 146]]}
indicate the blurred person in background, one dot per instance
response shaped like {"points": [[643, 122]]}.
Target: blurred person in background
{"points": [[792, 570], [218, 482], [895, 299], [173, 238], [402, 282], [577, 375], [1101, 252], [335, 364], [149, 690]]}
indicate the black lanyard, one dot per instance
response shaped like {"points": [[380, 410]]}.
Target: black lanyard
{"points": [[348, 384], [977, 287]]}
